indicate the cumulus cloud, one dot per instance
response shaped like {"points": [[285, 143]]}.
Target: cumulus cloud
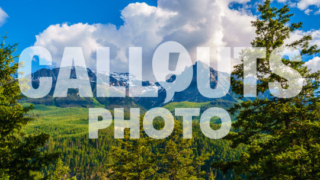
{"points": [[317, 12], [202, 23], [3, 16], [307, 11], [298, 34], [282, 1], [303, 5], [312, 63]]}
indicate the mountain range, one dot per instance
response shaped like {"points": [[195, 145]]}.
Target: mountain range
{"points": [[191, 94]]}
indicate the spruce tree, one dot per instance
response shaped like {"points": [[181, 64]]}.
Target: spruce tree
{"points": [[61, 172], [179, 159], [133, 158], [19, 154], [146, 158], [281, 134]]}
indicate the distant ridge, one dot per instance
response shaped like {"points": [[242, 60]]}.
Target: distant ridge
{"points": [[190, 94]]}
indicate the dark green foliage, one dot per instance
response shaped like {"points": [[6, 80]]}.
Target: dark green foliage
{"points": [[282, 135], [87, 158], [202, 105], [61, 172], [170, 158], [179, 158], [133, 159], [19, 154]]}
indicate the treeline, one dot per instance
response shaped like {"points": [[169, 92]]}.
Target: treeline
{"points": [[274, 138], [98, 159]]}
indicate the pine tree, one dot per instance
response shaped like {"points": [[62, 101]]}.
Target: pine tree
{"points": [[133, 158], [178, 159], [281, 134], [146, 158], [19, 154], [60, 172]]}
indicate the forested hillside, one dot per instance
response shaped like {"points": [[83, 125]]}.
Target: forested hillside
{"points": [[88, 159], [275, 127]]}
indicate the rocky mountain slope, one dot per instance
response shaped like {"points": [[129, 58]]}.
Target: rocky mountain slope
{"points": [[73, 99]]}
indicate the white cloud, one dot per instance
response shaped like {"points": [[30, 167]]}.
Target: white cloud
{"points": [[314, 64], [3, 16], [282, 1], [317, 12], [191, 23], [304, 4], [307, 11], [298, 34]]}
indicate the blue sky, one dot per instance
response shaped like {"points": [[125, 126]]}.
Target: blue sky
{"points": [[310, 21], [29, 18]]}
